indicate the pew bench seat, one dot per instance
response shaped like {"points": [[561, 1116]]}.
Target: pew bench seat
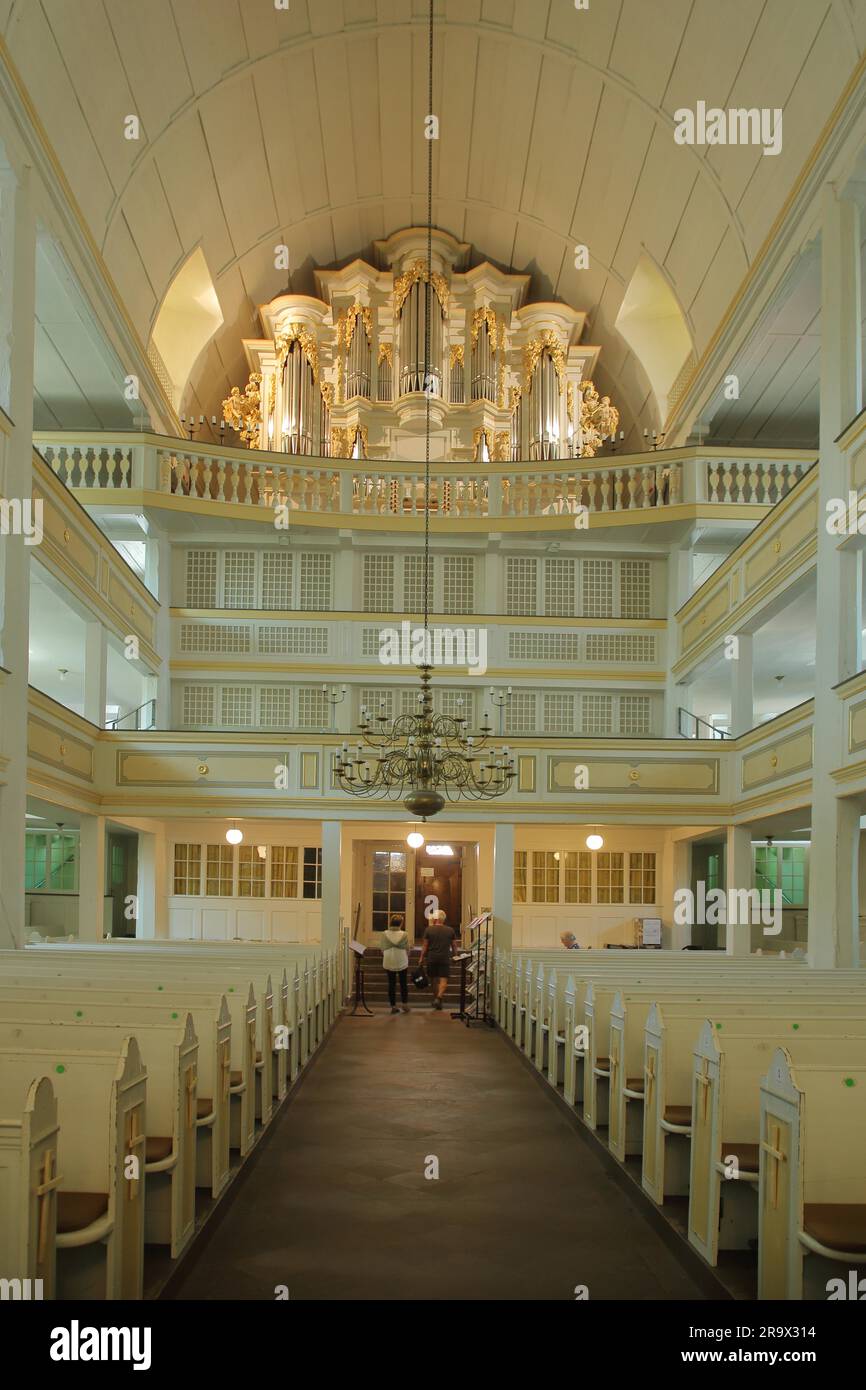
{"points": [[80, 1214], [835, 1228]]}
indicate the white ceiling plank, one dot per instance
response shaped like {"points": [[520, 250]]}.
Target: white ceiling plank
{"points": [[130, 276], [150, 221], [141, 32], [230, 120], [213, 39], [185, 170]]}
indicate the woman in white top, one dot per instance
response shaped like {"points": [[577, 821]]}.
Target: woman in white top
{"points": [[395, 958]]}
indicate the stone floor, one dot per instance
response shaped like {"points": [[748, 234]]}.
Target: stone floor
{"points": [[336, 1204]]}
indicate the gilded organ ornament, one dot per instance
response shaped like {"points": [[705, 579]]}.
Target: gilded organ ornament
{"points": [[599, 419], [296, 332], [243, 413], [404, 283], [548, 340]]}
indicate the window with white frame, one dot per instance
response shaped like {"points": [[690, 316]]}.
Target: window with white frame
{"points": [[641, 877], [610, 877], [376, 701], [187, 870], [377, 584], [236, 706], [239, 579], [558, 713], [312, 874], [314, 711], [634, 589], [596, 582], [458, 584], [51, 861], [413, 582], [275, 707], [520, 713], [315, 586], [520, 875], [458, 704], [635, 715], [558, 587], [577, 876], [199, 706], [201, 579], [596, 714], [545, 876], [277, 579], [252, 861], [284, 871], [219, 871], [521, 585]]}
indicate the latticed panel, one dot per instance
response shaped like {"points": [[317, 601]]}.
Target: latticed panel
{"points": [[377, 591], [577, 876], [371, 643], [520, 713], [236, 706], [521, 585], [642, 877], [277, 579], [292, 641], [558, 713], [635, 715], [458, 584], [596, 580], [275, 707], [634, 589], [313, 708], [197, 637], [201, 579], [199, 706], [559, 587], [596, 714], [409, 702], [458, 704], [377, 701], [544, 646], [413, 583], [315, 585], [239, 579], [621, 648]]}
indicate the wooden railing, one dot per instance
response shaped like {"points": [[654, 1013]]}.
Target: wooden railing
{"points": [[252, 478]]}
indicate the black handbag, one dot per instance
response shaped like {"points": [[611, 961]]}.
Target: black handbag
{"points": [[419, 979]]}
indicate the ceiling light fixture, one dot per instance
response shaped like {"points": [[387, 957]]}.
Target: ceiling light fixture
{"points": [[594, 841], [445, 851], [234, 836], [415, 839]]}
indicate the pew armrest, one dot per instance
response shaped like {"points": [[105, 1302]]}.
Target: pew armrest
{"points": [[88, 1235], [816, 1248], [163, 1165]]}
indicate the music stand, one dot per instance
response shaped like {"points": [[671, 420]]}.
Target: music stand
{"points": [[360, 1000]]}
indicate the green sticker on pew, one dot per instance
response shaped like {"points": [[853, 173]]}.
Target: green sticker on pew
{"points": [[60, 1069], [718, 1025], [79, 1013], [795, 1026], [174, 1015], [849, 1081], [160, 986], [231, 989]]}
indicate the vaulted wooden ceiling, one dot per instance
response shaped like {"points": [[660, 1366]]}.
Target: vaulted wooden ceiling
{"points": [[304, 126]]}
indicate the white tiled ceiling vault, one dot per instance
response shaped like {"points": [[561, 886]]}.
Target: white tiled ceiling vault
{"points": [[302, 125]]}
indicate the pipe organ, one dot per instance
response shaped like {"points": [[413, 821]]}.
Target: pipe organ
{"points": [[341, 374]]}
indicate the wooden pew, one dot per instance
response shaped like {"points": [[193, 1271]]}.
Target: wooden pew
{"points": [[212, 1026], [100, 1212], [812, 1182], [182, 995], [671, 1034], [726, 1122], [169, 1053], [28, 1183]]}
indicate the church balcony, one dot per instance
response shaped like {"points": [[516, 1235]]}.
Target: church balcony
{"points": [[663, 485]]}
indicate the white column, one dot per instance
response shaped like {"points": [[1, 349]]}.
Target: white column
{"points": [[332, 837], [18, 276], [676, 874], [679, 585], [95, 674], [833, 936], [153, 885], [157, 577], [503, 885], [91, 879], [742, 685], [738, 874]]}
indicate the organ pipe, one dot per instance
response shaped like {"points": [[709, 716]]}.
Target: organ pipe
{"points": [[412, 335], [544, 410]]}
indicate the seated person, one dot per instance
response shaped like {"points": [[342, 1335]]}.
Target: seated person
{"points": [[569, 941]]}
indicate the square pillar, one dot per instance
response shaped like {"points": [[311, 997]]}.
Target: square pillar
{"points": [[152, 888], [834, 936], [332, 837], [742, 686], [95, 674], [738, 874], [503, 886], [17, 319], [91, 879], [679, 585]]}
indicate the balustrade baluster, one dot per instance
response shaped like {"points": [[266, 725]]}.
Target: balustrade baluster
{"points": [[772, 484], [618, 490], [713, 481], [126, 469], [605, 489], [742, 477], [646, 486], [727, 479]]}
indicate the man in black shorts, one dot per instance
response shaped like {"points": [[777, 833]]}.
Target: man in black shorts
{"points": [[436, 954]]}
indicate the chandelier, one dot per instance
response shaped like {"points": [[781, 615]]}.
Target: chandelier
{"points": [[424, 759]]}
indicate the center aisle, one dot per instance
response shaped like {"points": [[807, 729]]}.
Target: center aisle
{"points": [[337, 1205]]}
